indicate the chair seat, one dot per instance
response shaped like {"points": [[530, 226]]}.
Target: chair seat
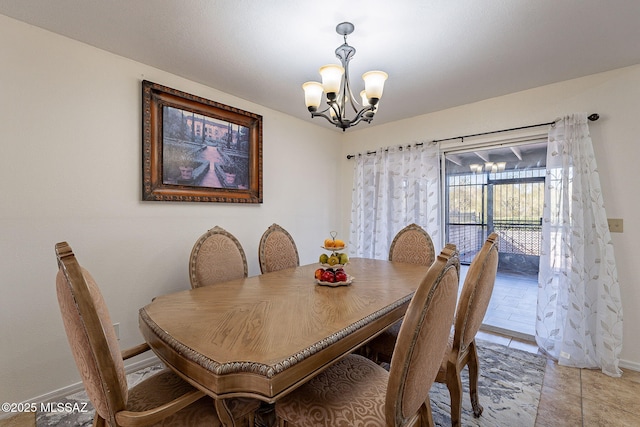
{"points": [[166, 386], [350, 393]]}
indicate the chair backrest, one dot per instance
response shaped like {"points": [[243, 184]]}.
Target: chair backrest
{"points": [[217, 256], [91, 335], [412, 244], [422, 339], [476, 293], [277, 250]]}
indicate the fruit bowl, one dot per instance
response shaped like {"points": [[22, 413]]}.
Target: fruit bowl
{"points": [[334, 249], [336, 284]]}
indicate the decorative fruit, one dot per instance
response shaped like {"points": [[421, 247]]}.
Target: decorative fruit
{"points": [[318, 273], [344, 258], [324, 258], [338, 243], [328, 276], [329, 243], [341, 276], [333, 260]]}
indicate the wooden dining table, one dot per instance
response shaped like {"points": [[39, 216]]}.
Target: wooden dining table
{"points": [[263, 336]]}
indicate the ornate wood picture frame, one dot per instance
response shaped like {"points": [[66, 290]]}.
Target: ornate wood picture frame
{"points": [[197, 150]]}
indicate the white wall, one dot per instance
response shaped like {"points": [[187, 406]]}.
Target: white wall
{"points": [[615, 95], [70, 169]]}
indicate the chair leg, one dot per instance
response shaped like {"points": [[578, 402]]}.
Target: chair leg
{"points": [[426, 417], [98, 421], [454, 384], [474, 373]]}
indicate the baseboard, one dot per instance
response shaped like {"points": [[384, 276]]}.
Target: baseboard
{"points": [[633, 366], [74, 388]]}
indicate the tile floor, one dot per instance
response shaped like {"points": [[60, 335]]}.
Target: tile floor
{"points": [[513, 304], [581, 397]]}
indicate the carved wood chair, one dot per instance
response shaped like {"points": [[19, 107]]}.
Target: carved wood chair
{"points": [[412, 245], [163, 399], [358, 392], [461, 349], [217, 256], [277, 250]]}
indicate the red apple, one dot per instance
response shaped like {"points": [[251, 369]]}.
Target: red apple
{"points": [[328, 276], [341, 276]]}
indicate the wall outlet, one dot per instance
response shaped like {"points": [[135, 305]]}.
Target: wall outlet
{"points": [[116, 328], [615, 225]]}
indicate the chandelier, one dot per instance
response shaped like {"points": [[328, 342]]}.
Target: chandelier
{"points": [[335, 84]]}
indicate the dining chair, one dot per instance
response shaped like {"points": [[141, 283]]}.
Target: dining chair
{"points": [[358, 392], [277, 250], [217, 256], [163, 399], [412, 245], [461, 349]]}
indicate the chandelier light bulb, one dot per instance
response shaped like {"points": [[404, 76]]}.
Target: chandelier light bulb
{"points": [[312, 95], [374, 84], [331, 78], [365, 102], [363, 97]]}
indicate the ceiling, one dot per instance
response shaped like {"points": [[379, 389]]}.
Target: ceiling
{"points": [[438, 53], [516, 157]]}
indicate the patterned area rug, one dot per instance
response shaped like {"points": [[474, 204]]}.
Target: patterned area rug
{"points": [[509, 388]]}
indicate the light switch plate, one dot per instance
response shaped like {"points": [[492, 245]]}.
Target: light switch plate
{"points": [[615, 225]]}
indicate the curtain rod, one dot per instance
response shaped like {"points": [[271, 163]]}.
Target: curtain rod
{"points": [[593, 117]]}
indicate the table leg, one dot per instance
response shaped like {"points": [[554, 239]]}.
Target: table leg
{"points": [[226, 418]]}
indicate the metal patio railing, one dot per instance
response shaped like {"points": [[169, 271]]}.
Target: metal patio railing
{"points": [[511, 206]]}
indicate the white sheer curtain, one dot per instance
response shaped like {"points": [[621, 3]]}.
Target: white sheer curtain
{"points": [[579, 315], [393, 188]]}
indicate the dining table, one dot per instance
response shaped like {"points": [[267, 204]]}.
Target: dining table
{"points": [[263, 336]]}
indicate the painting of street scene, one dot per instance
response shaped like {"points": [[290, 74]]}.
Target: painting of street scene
{"points": [[201, 151]]}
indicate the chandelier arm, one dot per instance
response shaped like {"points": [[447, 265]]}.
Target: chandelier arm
{"points": [[329, 119], [337, 109], [347, 91], [362, 116], [323, 113], [345, 53]]}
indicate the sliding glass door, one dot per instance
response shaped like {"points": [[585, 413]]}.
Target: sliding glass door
{"points": [[500, 188]]}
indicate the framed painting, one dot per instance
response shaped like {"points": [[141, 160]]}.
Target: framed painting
{"points": [[198, 150]]}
